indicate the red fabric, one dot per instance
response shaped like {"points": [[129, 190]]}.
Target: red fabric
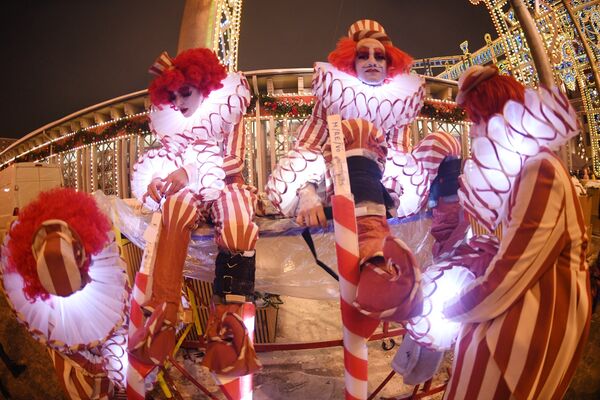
{"points": [[229, 350], [490, 96], [199, 68], [448, 226], [155, 341], [477, 254], [344, 55], [385, 285], [372, 231]]}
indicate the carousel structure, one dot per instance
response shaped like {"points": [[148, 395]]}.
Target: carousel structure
{"points": [[550, 46]]}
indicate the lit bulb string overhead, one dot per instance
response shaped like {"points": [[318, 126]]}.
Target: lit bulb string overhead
{"points": [[140, 134], [72, 133]]}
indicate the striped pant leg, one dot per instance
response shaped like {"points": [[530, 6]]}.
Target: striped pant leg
{"points": [[232, 214], [178, 220]]}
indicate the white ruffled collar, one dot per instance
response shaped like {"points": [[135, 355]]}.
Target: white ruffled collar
{"points": [[501, 147], [394, 104], [218, 114]]}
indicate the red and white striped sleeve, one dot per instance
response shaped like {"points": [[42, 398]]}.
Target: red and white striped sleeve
{"points": [[304, 163], [533, 239], [399, 139], [234, 151], [313, 133]]}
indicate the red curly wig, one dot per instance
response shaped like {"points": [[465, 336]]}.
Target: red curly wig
{"points": [[344, 55], [490, 96], [199, 68], [77, 209]]}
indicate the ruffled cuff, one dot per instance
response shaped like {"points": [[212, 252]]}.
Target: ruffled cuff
{"points": [[204, 166], [153, 164], [408, 179], [432, 329], [291, 174]]}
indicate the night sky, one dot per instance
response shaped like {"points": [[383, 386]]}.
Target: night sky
{"points": [[60, 56]]}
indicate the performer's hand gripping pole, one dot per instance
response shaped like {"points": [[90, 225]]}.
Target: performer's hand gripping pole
{"points": [[346, 245]]}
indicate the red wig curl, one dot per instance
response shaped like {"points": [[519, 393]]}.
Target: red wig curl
{"points": [[490, 96], [77, 209], [344, 55], [199, 68]]}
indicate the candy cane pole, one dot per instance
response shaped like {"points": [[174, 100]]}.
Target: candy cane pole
{"points": [[137, 371], [356, 327]]}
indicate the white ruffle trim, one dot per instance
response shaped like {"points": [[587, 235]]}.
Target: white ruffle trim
{"points": [[432, 329], [82, 320], [202, 158], [394, 104], [501, 147], [218, 113], [406, 177], [292, 172]]}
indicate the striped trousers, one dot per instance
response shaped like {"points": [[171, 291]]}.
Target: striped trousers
{"points": [[232, 214]]}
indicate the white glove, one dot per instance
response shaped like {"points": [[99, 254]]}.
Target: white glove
{"points": [[310, 208]]}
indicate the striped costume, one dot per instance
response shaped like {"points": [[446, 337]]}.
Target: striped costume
{"points": [[525, 320], [526, 317], [210, 146], [390, 107]]}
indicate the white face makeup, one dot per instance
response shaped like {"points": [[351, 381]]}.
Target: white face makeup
{"points": [[186, 99], [370, 62]]}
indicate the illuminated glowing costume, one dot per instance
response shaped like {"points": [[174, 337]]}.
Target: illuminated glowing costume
{"points": [[375, 119], [66, 282], [210, 146], [390, 107], [526, 317]]}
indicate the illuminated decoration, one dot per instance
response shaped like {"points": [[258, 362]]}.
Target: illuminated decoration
{"points": [[159, 163], [581, 150], [408, 179], [291, 106], [106, 166], [570, 31], [293, 172], [431, 329], [501, 147], [51, 321], [388, 107], [218, 113], [443, 110], [194, 141], [92, 134], [227, 32]]}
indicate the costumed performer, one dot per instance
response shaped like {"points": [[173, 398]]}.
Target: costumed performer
{"points": [[196, 178], [66, 282], [526, 317], [369, 85], [421, 351]]}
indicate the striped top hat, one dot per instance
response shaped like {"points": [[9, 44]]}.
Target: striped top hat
{"points": [[59, 255], [161, 64], [366, 28]]}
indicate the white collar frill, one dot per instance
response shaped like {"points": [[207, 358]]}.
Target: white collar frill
{"points": [[394, 104], [501, 147], [217, 115]]}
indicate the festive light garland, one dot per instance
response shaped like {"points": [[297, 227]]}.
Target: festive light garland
{"points": [[89, 136], [302, 106]]}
